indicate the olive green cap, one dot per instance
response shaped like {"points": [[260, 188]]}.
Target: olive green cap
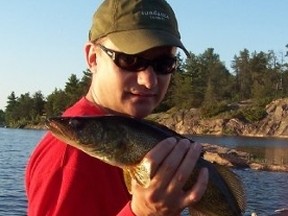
{"points": [[136, 25]]}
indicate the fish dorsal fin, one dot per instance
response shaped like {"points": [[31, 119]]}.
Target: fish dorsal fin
{"points": [[235, 185], [140, 172]]}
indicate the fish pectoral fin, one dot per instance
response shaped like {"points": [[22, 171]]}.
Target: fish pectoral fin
{"points": [[127, 180], [140, 172]]}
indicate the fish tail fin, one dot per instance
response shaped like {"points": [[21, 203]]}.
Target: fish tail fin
{"points": [[235, 184]]}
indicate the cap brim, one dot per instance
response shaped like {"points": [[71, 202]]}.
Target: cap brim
{"points": [[136, 41]]}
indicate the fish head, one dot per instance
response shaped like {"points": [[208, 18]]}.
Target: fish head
{"points": [[72, 130], [102, 137], [84, 133]]}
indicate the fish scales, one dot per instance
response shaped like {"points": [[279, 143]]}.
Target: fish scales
{"points": [[123, 141]]}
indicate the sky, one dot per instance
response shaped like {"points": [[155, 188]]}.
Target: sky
{"points": [[41, 41]]}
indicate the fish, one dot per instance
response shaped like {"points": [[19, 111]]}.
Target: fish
{"points": [[123, 141]]}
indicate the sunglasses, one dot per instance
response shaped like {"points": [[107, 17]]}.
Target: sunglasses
{"points": [[134, 63]]}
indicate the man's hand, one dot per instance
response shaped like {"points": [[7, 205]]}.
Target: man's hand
{"points": [[172, 163]]}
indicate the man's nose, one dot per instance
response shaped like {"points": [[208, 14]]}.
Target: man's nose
{"points": [[147, 77]]}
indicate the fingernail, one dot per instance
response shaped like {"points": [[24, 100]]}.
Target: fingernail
{"points": [[197, 147], [171, 140], [185, 142]]}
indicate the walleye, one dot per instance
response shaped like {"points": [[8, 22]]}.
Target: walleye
{"points": [[124, 141]]}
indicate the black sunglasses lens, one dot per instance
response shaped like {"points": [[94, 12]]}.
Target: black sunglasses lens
{"points": [[134, 63], [165, 65], [130, 62]]}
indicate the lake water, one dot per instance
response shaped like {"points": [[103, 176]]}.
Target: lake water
{"points": [[266, 191], [15, 148], [270, 150]]}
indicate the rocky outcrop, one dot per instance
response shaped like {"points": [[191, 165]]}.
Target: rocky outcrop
{"points": [[226, 156], [189, 122], [276, 122], [237, 159]]}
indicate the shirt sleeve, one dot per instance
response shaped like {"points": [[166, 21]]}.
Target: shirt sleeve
{"points": [[63, 181], [126, 211]]}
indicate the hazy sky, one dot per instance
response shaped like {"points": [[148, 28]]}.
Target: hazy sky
{"points": [[41, 41]]}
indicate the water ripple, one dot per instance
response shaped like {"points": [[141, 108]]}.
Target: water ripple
{"points": [[266, 191], [15, 148]]}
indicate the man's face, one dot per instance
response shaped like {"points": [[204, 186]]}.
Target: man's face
{"points": [[121, 91]]}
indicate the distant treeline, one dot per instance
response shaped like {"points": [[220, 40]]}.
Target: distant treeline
{"points": [[201, 81]]}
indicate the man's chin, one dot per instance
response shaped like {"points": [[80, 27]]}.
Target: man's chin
{"points": [[140, 111]]}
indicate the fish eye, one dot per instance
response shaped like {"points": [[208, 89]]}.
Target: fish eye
{"points": [[76, 124]]}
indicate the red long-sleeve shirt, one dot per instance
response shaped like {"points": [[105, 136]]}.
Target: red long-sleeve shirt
{"points": [[63, 181]]}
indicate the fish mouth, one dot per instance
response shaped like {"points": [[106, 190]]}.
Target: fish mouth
{"points": [[58, 127]]}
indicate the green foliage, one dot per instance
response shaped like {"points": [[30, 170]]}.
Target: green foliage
{"points": [[56, 103], [59, 100], [24, 109], [27, 109], [2, 118], [213, 109], [251, 114], [201, 81]]}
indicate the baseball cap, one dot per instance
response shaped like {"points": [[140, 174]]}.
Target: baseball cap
{"points": [[136, 25]]}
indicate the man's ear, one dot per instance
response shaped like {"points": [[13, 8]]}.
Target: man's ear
{"points": [[90, 55]]}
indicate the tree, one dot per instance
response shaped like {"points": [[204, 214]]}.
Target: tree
{"points": [[72, 89], [12, 101], [194, 81], [219, 78], [25, 108], [180, 86], [56, 103], [242, 71], [11, 111], [38, 104], [76, 88], [85, 82], [2, 118], [175, 95]]}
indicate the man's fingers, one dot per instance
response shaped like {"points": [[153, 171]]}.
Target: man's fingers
{"points": [[186, 167], [156, 155], [197, 191], [171, 164]]}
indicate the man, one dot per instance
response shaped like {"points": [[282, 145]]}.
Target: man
{"points": [[131, 54]]}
